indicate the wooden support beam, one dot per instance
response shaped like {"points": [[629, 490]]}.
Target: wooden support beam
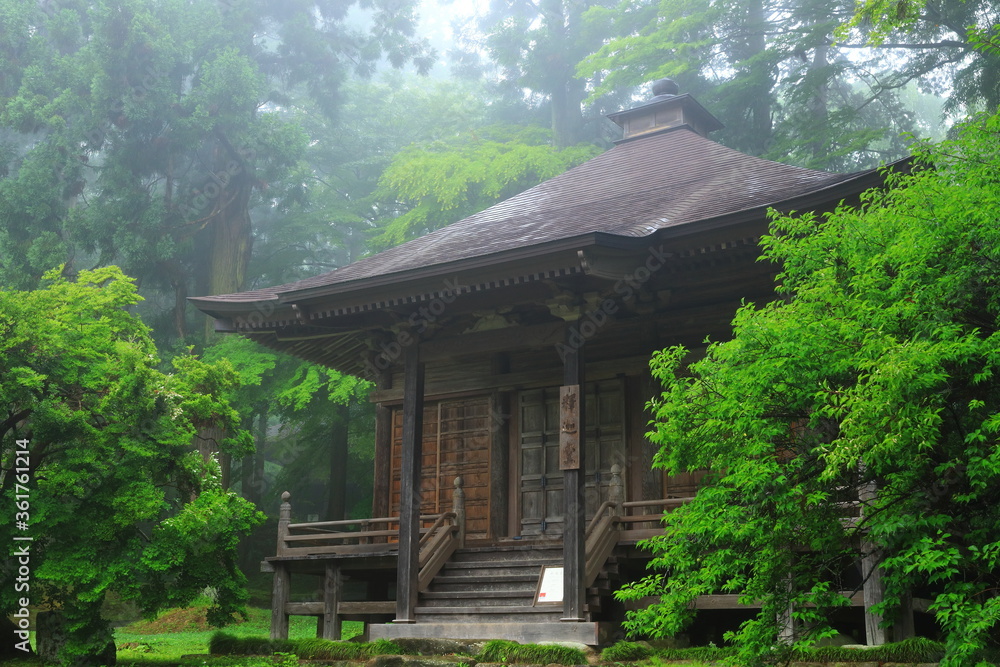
{"points": [[486, 342], [904, 626], [408, 572], [383, 450], [874, 592], [873, 587], [787, 627], [500, 415], [543, 377], [332, 592], [574, 481], [279, 600]]}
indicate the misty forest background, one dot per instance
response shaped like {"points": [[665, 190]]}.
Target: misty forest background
{"points": [[213, 146]]}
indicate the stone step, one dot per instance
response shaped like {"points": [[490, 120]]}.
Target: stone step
{"points": [[473, 605], [537, 629], [514, 584], [487, 614], [479, 578], [507, 554], [523, 594], [499, 566]]}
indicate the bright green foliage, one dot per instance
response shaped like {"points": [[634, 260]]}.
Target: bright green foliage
{"points": [[623, 651], [118, 500], [878, 370], [449, 180], [882, 17], [315, 407]]}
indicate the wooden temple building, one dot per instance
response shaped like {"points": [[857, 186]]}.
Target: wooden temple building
{"points": [[510, 353]]}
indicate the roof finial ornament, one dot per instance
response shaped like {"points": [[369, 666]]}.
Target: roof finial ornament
{"points": [[665, 87]]}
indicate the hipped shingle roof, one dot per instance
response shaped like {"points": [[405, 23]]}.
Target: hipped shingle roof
{"points": [[659, 181]]}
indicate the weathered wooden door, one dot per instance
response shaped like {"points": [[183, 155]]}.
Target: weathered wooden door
{"points": [[540, 482], [456, 442]]}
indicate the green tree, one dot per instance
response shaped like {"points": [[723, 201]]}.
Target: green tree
{"points": [[142, 133], [876, 372], [960, 39], [325, 423], [97, 443], [533, 49], [769, 71], [324, 216], [435, 184]]}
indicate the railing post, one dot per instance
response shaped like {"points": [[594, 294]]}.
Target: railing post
{"points": [[282, 577], [616, 491], [458, 507], [284, 519]]}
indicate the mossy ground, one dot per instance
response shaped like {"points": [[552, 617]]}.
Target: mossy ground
{"points": [[180, 638]]}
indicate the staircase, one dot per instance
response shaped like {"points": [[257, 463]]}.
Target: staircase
{"points": [[488, 592], [490, 585]]}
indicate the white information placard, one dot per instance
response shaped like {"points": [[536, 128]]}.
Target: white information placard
{"points": [[550, 585]]}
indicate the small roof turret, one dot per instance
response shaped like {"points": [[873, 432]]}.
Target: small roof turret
{"points": [[665, 111]]}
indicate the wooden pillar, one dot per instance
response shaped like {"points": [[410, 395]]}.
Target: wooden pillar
{"points": [[458, 507], [904, 628], [572, 451], [330, 621], [872, 586], [500, 495], [787, 630], [382, 489], [407, 573], [336, 506], [279, 599], [874, 592], [282, 579]]}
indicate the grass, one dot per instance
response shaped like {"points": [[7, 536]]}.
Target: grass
{"points": [[163, 641], [913, 650], [309, 649], [181, 638], [509, 652]]}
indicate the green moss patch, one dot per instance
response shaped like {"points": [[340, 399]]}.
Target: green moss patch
{"points": [[916, 650], [509, 652], [223, 643]]}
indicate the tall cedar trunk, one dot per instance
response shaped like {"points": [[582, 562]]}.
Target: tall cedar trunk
{"points": [[818, 105], [207, 441], [336, 506], [760, 105], [252, 469], [566, 92], [230, 239], [230, 230]]}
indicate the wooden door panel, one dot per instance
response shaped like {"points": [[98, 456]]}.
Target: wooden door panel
{"points": [[540, 479], [456, 441]]}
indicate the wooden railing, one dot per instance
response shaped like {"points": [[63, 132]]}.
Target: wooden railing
{"points": [[642, 519], [603, 530], [441, 535], [618, 521]]}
